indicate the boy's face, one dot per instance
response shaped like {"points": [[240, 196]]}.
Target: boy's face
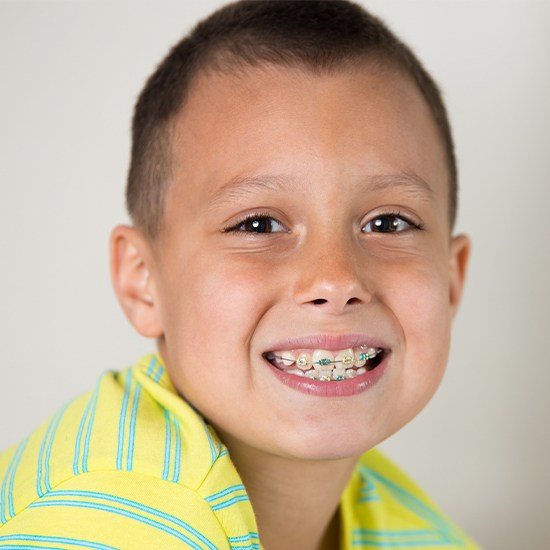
{"points": [[332, 143]]}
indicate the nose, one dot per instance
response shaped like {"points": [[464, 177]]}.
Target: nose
{"points": [[331, 277]]}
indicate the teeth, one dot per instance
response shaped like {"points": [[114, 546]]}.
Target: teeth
{"points": [[346, 357], [288, 358], [304, 361], [316, 374], [360, 357], [338, 373], [297, 372], [323, 360], [346, 363], [363, 355]]}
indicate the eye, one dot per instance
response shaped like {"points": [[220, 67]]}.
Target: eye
{"points": [[392, 222], [255, 223]]}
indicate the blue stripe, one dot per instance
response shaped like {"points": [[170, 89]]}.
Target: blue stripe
{"points": [[370, 498], [119, 500], [3, 495], [2, 491], [152, 366], [396, 533], [8, 481], [90, 425], [42, 456], [112, 509], [415, 505], [229, 502], [159, 374], [83, 421], [155, 369], [223, 453], [405, 537], [30, 547], [167, 444], [138, 505], [60, 414], [178, 450], [219, 494], [367, 486], [213, 450], [122, 421], [132, 434], [244, 538], [20, 450], [251, 546], [52, 540], [367, 491], [399, 543]]}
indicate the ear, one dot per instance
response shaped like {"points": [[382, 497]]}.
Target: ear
{"points": [[131, 262], [459, 256]]}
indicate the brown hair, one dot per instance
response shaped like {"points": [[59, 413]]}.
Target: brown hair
{"points": [[318, 35]]}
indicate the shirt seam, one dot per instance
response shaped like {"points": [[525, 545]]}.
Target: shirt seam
{"points": [[100, 470]]}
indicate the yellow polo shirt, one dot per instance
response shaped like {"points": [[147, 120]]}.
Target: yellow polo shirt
{"points": [[130, 464]]}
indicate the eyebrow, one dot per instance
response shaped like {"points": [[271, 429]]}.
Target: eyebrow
{"points": [[241, 187]]}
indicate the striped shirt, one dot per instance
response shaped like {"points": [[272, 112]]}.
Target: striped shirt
{"points": [[131, 464]]}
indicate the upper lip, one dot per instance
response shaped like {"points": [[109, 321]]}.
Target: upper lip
{"points": [[332, 342]]}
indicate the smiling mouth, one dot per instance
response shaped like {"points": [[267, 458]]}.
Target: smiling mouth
{"points": [[324, 366]]}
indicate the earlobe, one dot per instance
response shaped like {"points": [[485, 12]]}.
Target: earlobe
{"points": [[459, 257], [132, 280]]}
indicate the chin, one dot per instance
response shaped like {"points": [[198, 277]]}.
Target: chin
{"points": [[332, 444]]}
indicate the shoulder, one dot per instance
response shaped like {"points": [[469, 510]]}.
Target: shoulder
{"points": [[129, 450], [389, 506], [116, 509]]}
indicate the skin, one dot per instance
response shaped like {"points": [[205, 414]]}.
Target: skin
{"points": [[216, 300]]}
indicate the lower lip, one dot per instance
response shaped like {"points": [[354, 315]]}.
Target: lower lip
{"points": [[340, 388]]}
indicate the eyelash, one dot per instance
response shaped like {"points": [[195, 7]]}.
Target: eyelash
{"points": [[263, 216]]}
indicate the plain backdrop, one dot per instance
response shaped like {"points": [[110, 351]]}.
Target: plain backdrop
{"points": [[70, 73]]}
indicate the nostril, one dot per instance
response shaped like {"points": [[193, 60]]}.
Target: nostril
{"points": [[319, 301]]}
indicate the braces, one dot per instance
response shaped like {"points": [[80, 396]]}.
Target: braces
{"points": [[327, 361]]}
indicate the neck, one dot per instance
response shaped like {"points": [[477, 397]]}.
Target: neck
{"points": [[295, 502]]}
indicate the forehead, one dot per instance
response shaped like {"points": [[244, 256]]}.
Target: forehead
{"points": [[306, 128]]}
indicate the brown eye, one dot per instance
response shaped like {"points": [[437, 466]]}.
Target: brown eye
{"points": [[389, 223], [256, 224]]}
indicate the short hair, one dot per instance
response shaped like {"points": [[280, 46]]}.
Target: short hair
{"points": [[323, 35]]}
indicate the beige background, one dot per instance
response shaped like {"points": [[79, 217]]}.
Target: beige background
{"points": [[70, 72]]}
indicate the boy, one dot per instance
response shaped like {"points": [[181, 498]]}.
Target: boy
{"points": [[293, 193]]}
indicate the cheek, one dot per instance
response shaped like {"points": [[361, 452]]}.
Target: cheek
{"points": [[421, 308], [219, 303]]}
